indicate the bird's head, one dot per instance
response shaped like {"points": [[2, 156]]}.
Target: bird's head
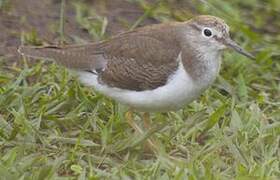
{"points": [[212, 34]]}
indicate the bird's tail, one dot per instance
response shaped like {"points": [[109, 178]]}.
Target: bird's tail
{"points": [[70, 57], [45, 52]]}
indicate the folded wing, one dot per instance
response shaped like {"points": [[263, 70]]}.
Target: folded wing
{"points": [[142, 59]]}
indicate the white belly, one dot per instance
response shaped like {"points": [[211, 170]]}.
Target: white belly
{"points": [[179, 91]]}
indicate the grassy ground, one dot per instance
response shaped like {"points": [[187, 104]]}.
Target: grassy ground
{"points": [[52, 127]]}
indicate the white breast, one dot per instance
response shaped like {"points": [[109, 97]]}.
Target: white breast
{"points": [[179, 91]]}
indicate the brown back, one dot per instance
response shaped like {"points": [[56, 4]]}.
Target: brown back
{"points": [[137, 60]]}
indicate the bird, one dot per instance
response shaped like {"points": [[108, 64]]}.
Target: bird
{"points": [[155, 68]]}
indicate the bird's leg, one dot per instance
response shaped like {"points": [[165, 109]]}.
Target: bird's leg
{"points": [[147, 125], [130, 121], [146, 119]]}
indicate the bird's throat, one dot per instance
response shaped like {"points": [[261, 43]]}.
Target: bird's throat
{"points": [[203, 67]]}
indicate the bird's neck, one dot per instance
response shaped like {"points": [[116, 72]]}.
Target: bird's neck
{"points": [[202, 67]]}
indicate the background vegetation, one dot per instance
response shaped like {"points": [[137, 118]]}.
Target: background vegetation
{"points": [[52, 127]]}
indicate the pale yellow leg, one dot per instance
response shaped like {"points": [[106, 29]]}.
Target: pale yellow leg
{"points": [[146, 119], [129, 118], [147, 125], [130, 121]]}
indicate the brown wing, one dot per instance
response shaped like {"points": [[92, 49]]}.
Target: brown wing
{"points": [[137, 60], [140, 60]]}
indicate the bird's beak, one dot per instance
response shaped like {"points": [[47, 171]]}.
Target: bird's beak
{"points": [[231, 44]]}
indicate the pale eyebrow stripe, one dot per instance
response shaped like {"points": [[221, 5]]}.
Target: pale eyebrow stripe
{"points": [[195, 26]]}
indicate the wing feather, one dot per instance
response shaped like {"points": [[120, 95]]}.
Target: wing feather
{"points": [[138, 60]]}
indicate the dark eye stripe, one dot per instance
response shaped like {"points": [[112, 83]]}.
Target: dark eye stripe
{"points": [[218, 39]]}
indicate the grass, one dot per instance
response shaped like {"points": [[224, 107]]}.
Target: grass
{"points": [[52, 127]]}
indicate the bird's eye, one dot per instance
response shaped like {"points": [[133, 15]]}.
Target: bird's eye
{"points": [[207, 32]]}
